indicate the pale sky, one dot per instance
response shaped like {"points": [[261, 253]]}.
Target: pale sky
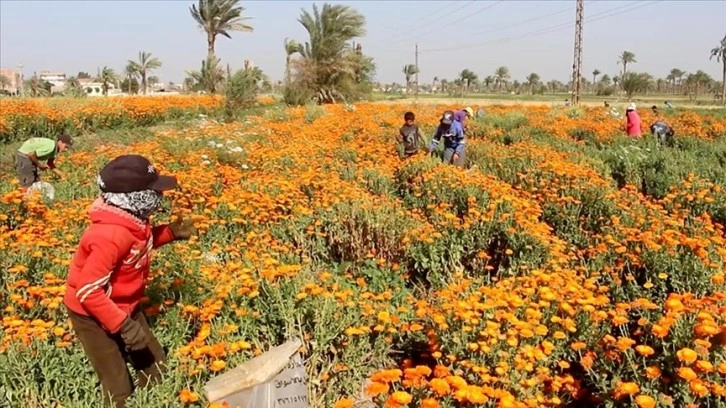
{"points": [[525, 36]]}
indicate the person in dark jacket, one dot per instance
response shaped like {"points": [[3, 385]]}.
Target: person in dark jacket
{"points": [[410, 135], [108, 273], [452, 131], [662, 131]]}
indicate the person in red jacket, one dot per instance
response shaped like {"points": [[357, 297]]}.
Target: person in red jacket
{"points": [[108, 275], [633, 121]]}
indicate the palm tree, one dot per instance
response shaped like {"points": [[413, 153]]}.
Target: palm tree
{"points": [[409, 70], [595, 73], [328, 66], [130, 73], [467, 78], [210, 78], [291, 48], [434, 83], [488, 80], [696, 81], [501, 76], [626, 58], [35, 87], [218, 17], [143, 66], [532, 81], [677, 77], [444, 83], [106, 77], [720, 54], [634, 82]]}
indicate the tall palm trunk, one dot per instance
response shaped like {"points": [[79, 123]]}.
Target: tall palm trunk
{"points": [[210, 45], [287, 70], [723, 79], [143, 80]]}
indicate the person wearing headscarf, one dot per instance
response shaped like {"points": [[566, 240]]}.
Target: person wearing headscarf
{"points": [[633, 121], [108, 274]]}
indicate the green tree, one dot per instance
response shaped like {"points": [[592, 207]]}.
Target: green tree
{"points": [[532, 82], [409, 70], [468, 77], [209, 78], [695, 82], [634, 83], [144, 66], [131, 73], [219, 17], [107, 76], [720, 54], [501, 77], [329, 69], [241, 89], [36, 88], [626, 58], [595, 73]]}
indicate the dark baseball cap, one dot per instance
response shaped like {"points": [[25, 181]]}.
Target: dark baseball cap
{"points": [[65, 138], [131, 172]]}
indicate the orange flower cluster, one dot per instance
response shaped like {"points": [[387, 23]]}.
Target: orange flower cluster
{"points": [[21, 118], [532, 280]]}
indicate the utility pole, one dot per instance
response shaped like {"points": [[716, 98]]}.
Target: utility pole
{"points": [[416, 63], [577, 65], [20, 75]]}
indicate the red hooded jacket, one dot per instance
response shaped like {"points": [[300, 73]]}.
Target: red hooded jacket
{"points": [[633, 124], [108, 273]]}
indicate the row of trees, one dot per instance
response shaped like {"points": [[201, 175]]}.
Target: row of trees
{"points": [[326, 67], [631, 83]]}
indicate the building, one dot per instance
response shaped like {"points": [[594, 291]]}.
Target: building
{"points": [[12, 84], [56, 79], [96, 89]]}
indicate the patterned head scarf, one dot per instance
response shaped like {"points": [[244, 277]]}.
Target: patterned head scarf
{"points": [[139, 203]]}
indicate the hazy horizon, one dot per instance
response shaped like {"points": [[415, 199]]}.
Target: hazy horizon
{"points": [[525, 36]]}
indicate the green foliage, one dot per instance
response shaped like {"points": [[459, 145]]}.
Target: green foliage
{"points": [[328, 67], [241, 90]]}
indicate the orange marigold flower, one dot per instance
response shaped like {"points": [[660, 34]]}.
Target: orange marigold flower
{"points": [[626, 388], [686, 373], [699, 388], [401, 397], [376, 388], [430, 403], [686, 355], [644, 351], [344, 403], [439, 386], [188, 397], [653, 372], [645, 401]]}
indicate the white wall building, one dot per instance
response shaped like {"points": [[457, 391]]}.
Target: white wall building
{"points": [[55, 78]]}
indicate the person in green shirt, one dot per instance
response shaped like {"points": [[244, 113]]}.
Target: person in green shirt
{"points": [[33, 152]]}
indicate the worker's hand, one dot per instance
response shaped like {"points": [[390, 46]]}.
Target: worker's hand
{"points": [[134, 335], [42, 166], [182, 229]]}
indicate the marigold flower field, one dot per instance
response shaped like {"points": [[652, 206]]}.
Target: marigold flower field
{"points": [[571, 267]]}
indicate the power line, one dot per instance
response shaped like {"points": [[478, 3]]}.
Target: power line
{"points": [[522, 22], [476, 12], [600, 16], [408, 34]]}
